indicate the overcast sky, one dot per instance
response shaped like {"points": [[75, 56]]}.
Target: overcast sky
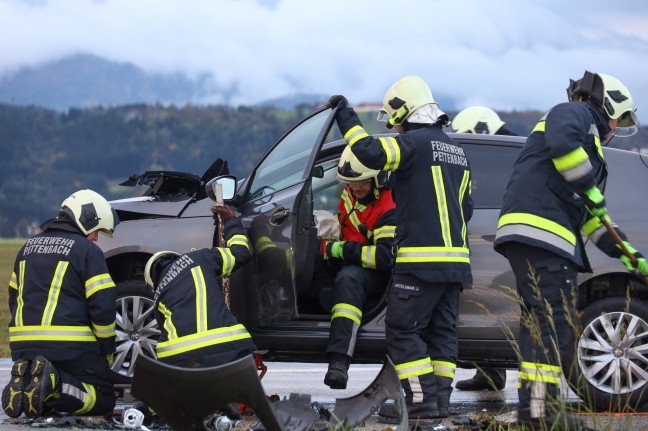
{"points": [[506, 54]]}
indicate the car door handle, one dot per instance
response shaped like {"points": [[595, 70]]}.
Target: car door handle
{"points": [[278, 215]]}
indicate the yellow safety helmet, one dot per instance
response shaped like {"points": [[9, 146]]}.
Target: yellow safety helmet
{"points": [[608, 93], [477, 119], [148, 269], [351, 169], [403, 98], [90, 212]]}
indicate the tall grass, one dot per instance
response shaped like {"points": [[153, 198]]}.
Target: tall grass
{"points": [[8, 250]]}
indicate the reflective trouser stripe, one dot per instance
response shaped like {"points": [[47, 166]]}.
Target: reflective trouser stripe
{"points": [[347, 311], [88, 396], [414, 368], [538, 376], [444, 369]]}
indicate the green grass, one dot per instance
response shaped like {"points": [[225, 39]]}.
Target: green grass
{"points": [[8, 250]]}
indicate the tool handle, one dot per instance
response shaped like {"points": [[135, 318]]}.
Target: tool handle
{"points": [[619, 241]]}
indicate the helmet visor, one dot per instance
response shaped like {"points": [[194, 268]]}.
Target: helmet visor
{"points": [[628, 125]]}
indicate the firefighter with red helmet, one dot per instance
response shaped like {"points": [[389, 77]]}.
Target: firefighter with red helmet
{"points": [[552, 198], [433, 206], [362, 258], [62, 303]]}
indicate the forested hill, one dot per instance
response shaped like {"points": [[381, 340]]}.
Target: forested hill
{"points": [[45, 155]]}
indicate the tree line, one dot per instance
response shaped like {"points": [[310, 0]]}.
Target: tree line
{"points": [[45, 155]]}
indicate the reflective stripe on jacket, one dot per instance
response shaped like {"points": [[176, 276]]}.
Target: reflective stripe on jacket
{"points": [[61, 297], [432, 194], [560, 160]]}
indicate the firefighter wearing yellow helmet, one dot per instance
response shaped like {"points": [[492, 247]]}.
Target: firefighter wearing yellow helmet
{"points": [[432, 194], [360, 262], [62, 327], [552, 199], [479, 120]]}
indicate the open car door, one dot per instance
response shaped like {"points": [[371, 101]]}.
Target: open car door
{"points": [[276, 206]]}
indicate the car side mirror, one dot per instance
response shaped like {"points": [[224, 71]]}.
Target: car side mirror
{"points": [[221, 188], [317, 172]]}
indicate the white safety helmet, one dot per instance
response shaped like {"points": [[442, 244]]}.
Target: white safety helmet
{"points": [[351, 169], [477, 119], [90, 212], [609, 94], [403, 98], [151, 262]]}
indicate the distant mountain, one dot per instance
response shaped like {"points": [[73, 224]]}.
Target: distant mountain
{"points": [[86, 81]]}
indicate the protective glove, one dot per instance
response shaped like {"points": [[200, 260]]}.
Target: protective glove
{"points": [[337, 101], [333, 250], [223, 211], [642, 265], [595, 202]]}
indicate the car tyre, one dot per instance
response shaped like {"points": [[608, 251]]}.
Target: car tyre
{"points": [[612, 355], [136, 327]]}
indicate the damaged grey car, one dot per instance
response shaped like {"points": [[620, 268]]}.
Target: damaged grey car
{"points": [[289, 316]]}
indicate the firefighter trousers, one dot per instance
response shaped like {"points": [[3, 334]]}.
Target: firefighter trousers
{"points": [[547, 289], [87, 387], [352, 286], [421, 335]]}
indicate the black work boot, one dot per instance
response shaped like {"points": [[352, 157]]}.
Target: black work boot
{"points": [[336, 376], [444, 390], [44, 389], [12, 395], [488, 379]]}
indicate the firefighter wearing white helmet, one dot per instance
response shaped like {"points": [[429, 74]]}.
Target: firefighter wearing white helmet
{"points": [[479, 120], [432, 194], [198, 328], [62, 302], [552, 199], [360, 262]]}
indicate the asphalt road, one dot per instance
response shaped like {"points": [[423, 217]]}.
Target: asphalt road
{"points": [[282, 379]]}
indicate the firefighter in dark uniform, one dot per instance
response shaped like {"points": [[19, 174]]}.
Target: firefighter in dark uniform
{"points": [[433, 206], [62, 303], [553, 195], [198, 328], [481, 120], [362, 259]]}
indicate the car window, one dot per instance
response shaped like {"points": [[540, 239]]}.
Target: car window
{"points": [[327, 190], [286, 164], [491, 167]]}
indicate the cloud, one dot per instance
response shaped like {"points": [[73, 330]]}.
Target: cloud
{"points": [[505, 54]]}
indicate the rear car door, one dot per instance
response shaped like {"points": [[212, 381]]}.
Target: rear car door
{"points": [[276, 206]]}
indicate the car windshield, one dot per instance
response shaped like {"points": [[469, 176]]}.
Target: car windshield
{"points": [[286, 164]]}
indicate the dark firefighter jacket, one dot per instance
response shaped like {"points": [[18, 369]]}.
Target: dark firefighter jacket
{"points": [[61, 297], [368, 230], [432, 195], [190, 306], [543, 204]]}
